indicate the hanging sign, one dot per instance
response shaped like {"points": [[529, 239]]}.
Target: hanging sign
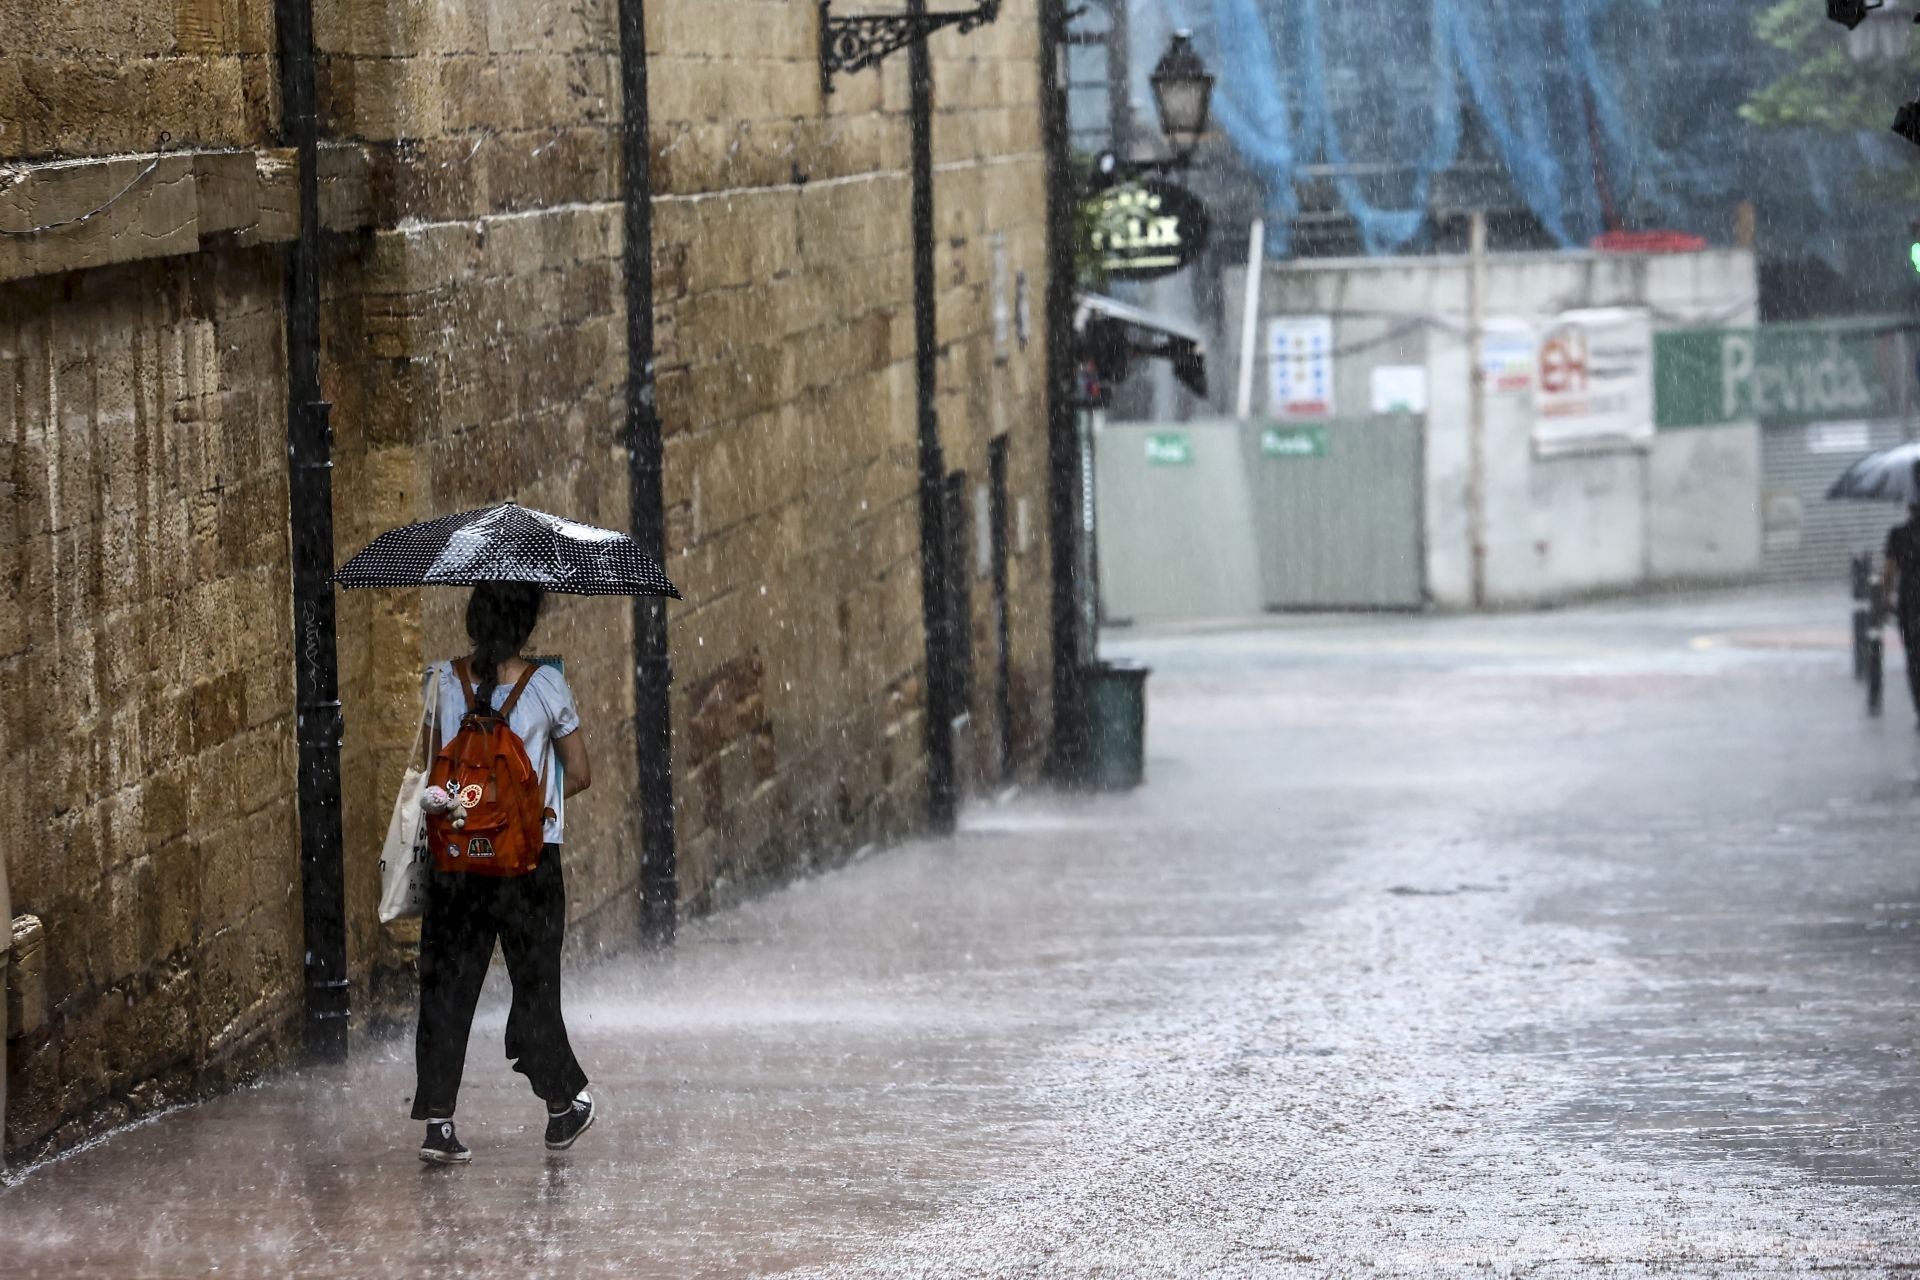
{"points": [[1300, 367], [1169, 449], [1144, 229]]}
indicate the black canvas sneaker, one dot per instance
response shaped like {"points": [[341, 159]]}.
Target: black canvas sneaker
{"points": [[562, 1129], [441, 1146]]}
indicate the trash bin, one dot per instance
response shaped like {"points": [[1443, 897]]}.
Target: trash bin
{"points": [[1116, 702]]}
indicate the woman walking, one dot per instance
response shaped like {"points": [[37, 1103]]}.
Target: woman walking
{"points": [[477, 892]]}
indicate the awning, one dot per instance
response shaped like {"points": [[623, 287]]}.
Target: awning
{"points": [[1111, 334]]}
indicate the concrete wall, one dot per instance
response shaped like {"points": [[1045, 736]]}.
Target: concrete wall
{"points": [[475, 350], [1684, 505]]}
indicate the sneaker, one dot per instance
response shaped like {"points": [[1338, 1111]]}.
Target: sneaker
{"points": [[562, 1129], [442, 1147]]}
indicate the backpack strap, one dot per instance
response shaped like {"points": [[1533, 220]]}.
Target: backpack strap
{"points": [[519, 687], [466, 683], [473, 699]]}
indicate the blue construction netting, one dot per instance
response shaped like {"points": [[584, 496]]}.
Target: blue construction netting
{"points": [[1603, 113]]}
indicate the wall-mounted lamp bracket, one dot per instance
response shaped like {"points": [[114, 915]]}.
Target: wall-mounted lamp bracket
{"points": [[862, 41]]}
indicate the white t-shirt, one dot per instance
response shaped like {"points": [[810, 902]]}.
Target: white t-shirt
{"points": [[545, 712]]}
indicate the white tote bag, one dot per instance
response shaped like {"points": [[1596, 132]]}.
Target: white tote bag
{"points": [[403, 858]]}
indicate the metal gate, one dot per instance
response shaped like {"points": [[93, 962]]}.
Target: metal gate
{"points": [[1219, 518], [1338, 513], [1805, 537]]}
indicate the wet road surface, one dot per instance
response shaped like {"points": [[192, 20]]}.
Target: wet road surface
{"points": [[1579, 943]]}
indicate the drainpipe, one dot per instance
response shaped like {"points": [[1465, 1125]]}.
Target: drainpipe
{"points": [[1068, 751], [942, 804], [310, 502], [652, 670]]}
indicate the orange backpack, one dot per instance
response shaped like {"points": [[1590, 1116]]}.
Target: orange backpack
{"points": [[496, 825]]}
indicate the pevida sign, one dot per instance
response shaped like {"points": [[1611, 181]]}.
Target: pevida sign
{"points": [[1778, 374], [1144, 229]]}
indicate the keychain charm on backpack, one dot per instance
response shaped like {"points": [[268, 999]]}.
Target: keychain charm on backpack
{"points": [[468, 798]]}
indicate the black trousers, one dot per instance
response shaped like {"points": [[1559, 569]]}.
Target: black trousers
{"points": [[465, 915], [1910, 641]]}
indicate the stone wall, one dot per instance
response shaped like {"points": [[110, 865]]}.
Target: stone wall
{"points": [[144, 621], [96, 77], [490, 319], [476, 351], [144, 641], [474, 347], [783, 242]]}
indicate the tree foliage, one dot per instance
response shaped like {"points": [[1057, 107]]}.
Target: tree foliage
{"points": [[1823, 87]]}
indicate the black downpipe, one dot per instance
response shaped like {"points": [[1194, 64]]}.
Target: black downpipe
{"points": [[942, 804], [1063, 440], [652, 669], [310, 503]]}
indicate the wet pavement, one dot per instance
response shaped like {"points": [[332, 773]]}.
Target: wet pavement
{"points": [[1576, 943]]}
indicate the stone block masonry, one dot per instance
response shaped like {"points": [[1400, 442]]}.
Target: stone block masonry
{"points": [[144, 672], [474, 348], [783, 238]]}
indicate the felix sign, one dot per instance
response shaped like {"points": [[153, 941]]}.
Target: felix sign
{"points": [[1143, 229]]}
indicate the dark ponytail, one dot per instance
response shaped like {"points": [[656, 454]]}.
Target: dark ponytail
{"points": [[500, 618]]}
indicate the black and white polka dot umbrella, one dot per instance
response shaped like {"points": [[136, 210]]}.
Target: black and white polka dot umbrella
{"points": [[508, 543]]}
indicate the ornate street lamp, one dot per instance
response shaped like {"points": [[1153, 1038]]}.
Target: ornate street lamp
{"points": [[1182, 94]]}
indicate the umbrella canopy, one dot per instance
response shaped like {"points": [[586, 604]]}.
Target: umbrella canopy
{"points": [[1886, 476], [508, 543]]}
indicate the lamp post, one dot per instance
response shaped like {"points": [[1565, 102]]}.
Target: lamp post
{"points": [[1183, 99], [1182, 93], [849, 44]]}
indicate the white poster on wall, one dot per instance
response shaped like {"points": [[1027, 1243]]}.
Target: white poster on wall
{"points": [[1594, 386], [1506, 355], [1300, 367], [1398, 388]]}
